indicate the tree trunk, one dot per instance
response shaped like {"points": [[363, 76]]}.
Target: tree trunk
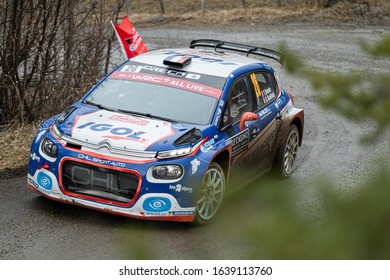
{"points": [[203, 5], [162, 6]]}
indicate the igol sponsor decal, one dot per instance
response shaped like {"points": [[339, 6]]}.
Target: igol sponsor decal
{"points": [[123, 133], [157, 204]]}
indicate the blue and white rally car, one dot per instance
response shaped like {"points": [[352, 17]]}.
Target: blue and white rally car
{"points": [[160, 136]]}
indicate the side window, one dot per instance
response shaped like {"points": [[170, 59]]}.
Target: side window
{"points": [[239, 101], [264, 88]]}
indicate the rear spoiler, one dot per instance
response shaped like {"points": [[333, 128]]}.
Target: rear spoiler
{"points": [[216, 44]]}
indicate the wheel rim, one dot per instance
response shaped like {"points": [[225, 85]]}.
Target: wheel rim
{"points": [[290, 152], [210, 194]]}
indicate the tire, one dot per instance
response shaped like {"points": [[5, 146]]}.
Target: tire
{"points": [[210, 194], [287, 154]]}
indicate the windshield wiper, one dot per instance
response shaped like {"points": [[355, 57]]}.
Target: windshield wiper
{"points": [[146, 115], [100, 106]]}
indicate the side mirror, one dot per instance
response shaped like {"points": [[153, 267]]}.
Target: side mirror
{"points": [[248, 116]]}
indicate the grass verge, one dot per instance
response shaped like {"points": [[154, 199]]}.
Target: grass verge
{"points": [[15, 142]]}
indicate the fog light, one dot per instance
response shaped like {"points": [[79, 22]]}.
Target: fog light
{"points": [[167, 172]]}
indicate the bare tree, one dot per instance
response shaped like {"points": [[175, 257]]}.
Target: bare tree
{"points": [[162, 6], [51, 53], [203, 5], [109, 43]]}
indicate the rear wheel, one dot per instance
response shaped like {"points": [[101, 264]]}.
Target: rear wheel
{"points": [[210, 194], [286, 156]]}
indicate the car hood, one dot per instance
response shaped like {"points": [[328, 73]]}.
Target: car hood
{"points": [[122, 131]]}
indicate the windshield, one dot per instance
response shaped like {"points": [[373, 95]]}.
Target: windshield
{"points": [[153, 100]]}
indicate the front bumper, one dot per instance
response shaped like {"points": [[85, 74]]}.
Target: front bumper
{"points": [[112, 184]]}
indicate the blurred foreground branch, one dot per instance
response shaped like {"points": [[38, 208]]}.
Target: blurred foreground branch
{"points": [[359, 96]]}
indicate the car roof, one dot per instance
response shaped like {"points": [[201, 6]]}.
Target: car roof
{"points": [[204, 61]]}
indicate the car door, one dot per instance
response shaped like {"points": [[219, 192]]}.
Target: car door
{"points": [[251, 140], [264, 89]]}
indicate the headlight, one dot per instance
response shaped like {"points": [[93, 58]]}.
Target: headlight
{"points": [[174, 153], [167, 172], [49, 148]]}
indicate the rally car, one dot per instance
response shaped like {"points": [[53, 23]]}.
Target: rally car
{"points": [[166, 133]]}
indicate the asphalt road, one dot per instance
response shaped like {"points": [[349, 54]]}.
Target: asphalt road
{"points": [[33, 227]]}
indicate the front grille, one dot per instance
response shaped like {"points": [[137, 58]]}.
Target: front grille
{"points": [[99, 182]]}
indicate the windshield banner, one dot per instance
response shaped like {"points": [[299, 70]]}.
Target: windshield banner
{"points": [[167, 81]]}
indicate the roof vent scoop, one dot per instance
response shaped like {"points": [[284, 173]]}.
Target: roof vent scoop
{"points": [[178, 61]]}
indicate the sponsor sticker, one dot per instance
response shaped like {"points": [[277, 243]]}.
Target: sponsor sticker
{"points": [[180, 188], [183, 213], [221, 103], [131, 68], [32, 182], [279, 102], [170, 213], [35, 157], [219, 113], [177, 125], [39, 135], [108, 129], [289, 108], [207, 146], [157, 204], [101, 161], [195, 164], [169, 72], [193, 76], [167, 81], [44, 181], [155, 214], [129, 119], [264, 113], [122, 133], [239, 142]]}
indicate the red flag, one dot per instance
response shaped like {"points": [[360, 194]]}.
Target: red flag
{"points": [[129, 39]]}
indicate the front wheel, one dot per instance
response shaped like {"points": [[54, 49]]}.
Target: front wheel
{"points": [[286, 156], [210, 194]]}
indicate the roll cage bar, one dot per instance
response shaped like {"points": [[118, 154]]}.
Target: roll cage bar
{"points": [[216, 44]]}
